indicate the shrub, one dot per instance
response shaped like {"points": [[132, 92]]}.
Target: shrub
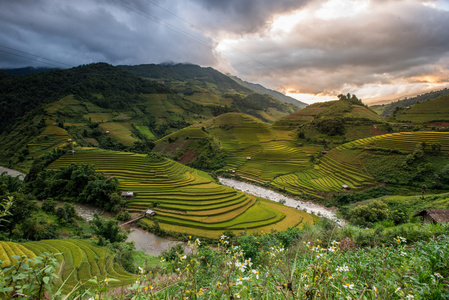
{"points": [[368, 214]]}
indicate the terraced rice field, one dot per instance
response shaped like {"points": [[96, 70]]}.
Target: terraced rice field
{"points": [[403, 141], [186, 199], [427, 111], [328, 176], [80, 260], [53, 137], [258, 152], [120, 131], [98, 117]]}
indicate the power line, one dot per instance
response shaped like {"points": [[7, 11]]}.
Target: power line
{"points": [[41, 57], [207, 34], [155, 19]]}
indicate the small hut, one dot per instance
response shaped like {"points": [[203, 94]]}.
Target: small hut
{"points": [[434, 215], [324, 152], [128, 195], [150, 213], [71, 152], [248, 157], [346, 187]]}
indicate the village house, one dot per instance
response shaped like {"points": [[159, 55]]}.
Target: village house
{"points": [[150, 213], [440, 216], [346, 187], [128, 195]]}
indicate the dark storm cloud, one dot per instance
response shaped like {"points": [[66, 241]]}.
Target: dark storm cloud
{"points": [[118, 32], [384, 42], [243, 16]]}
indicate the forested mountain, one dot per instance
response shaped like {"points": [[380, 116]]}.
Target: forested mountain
{"points": [[106, 106], [190, 79], [185, 73], [118, 89]]}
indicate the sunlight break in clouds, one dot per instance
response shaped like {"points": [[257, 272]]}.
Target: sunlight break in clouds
{"points": [[376, 49]]}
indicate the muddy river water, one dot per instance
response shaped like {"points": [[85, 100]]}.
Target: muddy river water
{"points": [[143, 240]]}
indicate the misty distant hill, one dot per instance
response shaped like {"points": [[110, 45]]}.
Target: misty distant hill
{"points": [[27, 70], [257, 88]]}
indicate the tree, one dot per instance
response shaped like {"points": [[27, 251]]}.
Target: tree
{"points": [[370, 213], [107, 230], [67, 213], [98, 192], [423, 190], [22, 208], [335, 126], [37, 227], [444, 175], [49, 206]]}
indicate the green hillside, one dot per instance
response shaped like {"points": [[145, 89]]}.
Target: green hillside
{"points": [[404, 159], [333, 121], [385, 110], [186, 200], [209, 87], [104, 106], [253, 150], [190, 74], [425, 112], [80, 260], [327, 110]]}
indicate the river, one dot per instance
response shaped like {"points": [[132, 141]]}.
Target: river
{"points": [[155, 245], [12, 172], [143, 240], [259, 191]]}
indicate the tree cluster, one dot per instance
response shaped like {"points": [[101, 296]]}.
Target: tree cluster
{"points": [[80, 183]]}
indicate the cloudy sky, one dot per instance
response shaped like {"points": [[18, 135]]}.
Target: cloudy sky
{"points": [[311, 50]]}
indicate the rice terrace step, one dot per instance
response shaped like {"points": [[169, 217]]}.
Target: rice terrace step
{"points": [[168, 187]]}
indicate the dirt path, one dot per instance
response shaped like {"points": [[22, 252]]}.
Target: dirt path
{"points": [[12, 172], [255, 190]]}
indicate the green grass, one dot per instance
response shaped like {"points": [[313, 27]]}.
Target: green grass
{"points": [[145, 131]]}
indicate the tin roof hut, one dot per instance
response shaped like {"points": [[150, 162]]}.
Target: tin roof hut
{"points": [[150, 213], [346, 187], [128, 195]]}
